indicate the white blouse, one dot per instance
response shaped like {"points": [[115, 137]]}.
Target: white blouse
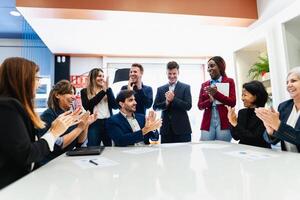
{"points": [[293, 118], [102, 109]]}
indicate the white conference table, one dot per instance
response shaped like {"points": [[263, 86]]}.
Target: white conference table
{"points": [[191, 171]]}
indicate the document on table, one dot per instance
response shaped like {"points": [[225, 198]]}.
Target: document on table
{"points": [[140, 150], [251, 155], [223, 88], [95, 162]]}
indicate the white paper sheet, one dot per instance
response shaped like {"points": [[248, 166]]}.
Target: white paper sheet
{"points": [[251, 155], [222, 88], [140, 150], [92, 162]]}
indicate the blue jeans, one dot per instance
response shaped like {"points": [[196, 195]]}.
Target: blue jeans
{"points": [[97, 134], [215, 132]]}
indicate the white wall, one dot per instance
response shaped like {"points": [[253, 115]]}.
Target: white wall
{"points": [[268, 8], [270, 28], [244, 59], [293, 49], [292, 35], [82, 65]]}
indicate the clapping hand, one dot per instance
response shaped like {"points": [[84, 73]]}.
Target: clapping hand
{"points": [[151, 123], [64, 121], [105, 85], [270, 119], [231, 115], [84, 121], [211, 98], [130, 84], [169, 96], [76, 114], [211, 90]]}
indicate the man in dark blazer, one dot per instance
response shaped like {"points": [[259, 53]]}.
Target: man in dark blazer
{"points": [[128, 128], [143, 93], [174, 99]]}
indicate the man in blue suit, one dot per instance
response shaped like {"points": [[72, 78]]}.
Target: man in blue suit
{"points": [[174, 99], [129, 128], [143, 93]]}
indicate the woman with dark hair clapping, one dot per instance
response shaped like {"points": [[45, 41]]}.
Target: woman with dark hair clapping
{"points": [[60, 100], [247, 127]]}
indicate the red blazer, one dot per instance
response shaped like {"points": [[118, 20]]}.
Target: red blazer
{"points": [[204, 103]]}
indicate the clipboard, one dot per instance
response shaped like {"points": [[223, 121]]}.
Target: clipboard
{"points": [[223, 88], [83, 151]]}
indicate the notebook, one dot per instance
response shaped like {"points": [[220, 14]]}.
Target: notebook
{"points": [[82, 151], [223, 88]]}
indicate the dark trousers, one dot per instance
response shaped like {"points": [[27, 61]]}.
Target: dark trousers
{"points": [[97, 134], [172, 138]]}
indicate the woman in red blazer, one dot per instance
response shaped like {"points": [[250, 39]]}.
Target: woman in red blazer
{"points": [[215, 124]]}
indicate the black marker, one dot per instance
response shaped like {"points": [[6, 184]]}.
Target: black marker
{"points": [[93, 162]]}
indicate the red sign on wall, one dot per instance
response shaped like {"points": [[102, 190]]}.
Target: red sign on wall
{"points": [[78, 81]]}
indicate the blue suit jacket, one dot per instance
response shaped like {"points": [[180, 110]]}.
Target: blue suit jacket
{"points": [[285, 132], [175, 114], [122, 134], [143, 98]]}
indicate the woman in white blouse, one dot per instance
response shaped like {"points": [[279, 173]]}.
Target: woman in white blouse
{"points": [[98, 98]]}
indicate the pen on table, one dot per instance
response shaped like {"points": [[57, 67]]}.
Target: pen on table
{"points": [[93, 162]]}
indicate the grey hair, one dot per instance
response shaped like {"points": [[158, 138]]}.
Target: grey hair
{"points": [[294, 70]]}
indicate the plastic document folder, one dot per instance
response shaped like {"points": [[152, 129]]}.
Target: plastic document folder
{"points": [[82, 151], [224, 89]]}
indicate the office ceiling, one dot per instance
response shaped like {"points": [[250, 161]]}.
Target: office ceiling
{"points": [[10, 26], [136, 27]]}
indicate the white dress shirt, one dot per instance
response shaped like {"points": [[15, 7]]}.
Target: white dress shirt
{"points": [[293, 118]]}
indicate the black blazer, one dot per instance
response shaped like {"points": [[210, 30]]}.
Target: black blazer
{"points": [[249, 129], [18, 148], [285, 132], [89, 104], [175, 114]]}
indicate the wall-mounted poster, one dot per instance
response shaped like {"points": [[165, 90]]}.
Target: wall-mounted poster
{"points": [[42, 94]]}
